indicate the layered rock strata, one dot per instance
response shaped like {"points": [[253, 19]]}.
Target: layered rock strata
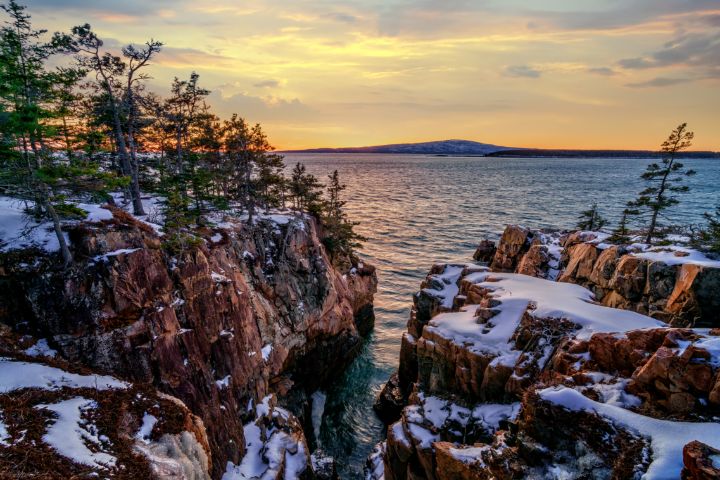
{"points": [[254, 310]]}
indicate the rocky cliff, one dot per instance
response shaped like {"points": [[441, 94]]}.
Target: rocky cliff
{"points": [[516, 370], [254, 311]]}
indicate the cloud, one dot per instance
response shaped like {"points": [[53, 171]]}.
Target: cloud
{"points": [[659, 82], [525, 71], [267, 84], [604, 71], [693, 50], [260, 109]]}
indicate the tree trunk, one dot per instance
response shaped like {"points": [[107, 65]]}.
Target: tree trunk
{"points": [[126, 165], [64, 250]]}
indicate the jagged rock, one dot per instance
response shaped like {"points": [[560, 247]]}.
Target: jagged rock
{"points": [[580, 266], [695, 300], [698, 462], [513, 243], [485, 251], [391, 400], [534, 262]]}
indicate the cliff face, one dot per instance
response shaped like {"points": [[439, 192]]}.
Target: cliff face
{"points": [[255, 310], [506, 372]]}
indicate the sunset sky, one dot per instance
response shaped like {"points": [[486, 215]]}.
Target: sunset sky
{"points": [[320, 73]]}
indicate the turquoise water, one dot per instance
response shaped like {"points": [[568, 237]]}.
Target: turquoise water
{"points": [[417, 210]]}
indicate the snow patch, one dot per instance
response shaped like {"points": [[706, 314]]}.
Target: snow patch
{"points": [[17, 375], [667, 438], [70, 433]]}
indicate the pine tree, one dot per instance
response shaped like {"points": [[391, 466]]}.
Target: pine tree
{"points": [[339, 237], [30, 100], [120, 79], [621, 234], [305, 190], [710, 235], [663, 181], [591, 219]]}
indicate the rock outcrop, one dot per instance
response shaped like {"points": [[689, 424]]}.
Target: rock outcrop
{"points": [[663, 282], [527, 375], [253, 311]]}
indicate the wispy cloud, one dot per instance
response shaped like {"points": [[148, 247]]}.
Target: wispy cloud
{"points": [[659, 82], [521, 71]]}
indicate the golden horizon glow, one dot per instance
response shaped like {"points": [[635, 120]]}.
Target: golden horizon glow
{"points": [[595, 74]]}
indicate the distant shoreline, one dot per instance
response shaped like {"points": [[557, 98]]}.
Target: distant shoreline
{"points": [[589, 154]]}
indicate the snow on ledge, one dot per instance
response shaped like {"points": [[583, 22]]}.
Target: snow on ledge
{"points": [[677, 255], [667, 438], [16, 375]]}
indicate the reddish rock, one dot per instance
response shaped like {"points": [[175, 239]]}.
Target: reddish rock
{"points": [[513, 243], [485, 251], [582, 258], [534, 262], [697, 462]]}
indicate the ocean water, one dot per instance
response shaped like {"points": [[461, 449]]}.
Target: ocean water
{"points": [[418, 210]]}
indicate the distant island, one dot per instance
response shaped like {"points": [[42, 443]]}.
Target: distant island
{"points": [[471, 148]]}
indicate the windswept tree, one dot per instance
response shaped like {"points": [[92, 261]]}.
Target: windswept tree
{"points": [[710, 235], [591, 219], [119, 78], [664, 181]]}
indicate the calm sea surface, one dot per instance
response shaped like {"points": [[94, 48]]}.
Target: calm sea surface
{"points": [[417, 210]]}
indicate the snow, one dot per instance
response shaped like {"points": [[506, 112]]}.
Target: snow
{"points": [[216, 238], [266, 351], [106, 257], [148, 423], [470, 455], [556, 300], [219, 278], [667, 438], [41, 349], [4, 434], [269, 452], [18, 230], [494, 413], [70, 433], [444, 285], [17, 375], [318, 408], [677, 255], [224, 382]]}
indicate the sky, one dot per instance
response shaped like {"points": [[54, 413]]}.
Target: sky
{"points": [[521, 73]]}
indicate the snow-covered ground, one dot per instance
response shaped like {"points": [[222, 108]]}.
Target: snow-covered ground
{"points": [[667, 438]]}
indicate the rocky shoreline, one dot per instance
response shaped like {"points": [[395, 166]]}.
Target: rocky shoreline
{"points": [[238, 332], [564, 357]]}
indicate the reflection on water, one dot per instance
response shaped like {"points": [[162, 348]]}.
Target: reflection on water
{"points": [[416, 210]]}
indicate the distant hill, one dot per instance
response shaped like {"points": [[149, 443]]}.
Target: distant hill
{"points": [[470, 148], [443, 147]]}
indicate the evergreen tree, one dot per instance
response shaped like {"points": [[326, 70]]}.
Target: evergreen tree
{"points": [[30, 100], [591, 219], [305, 190], [120, 80], [663, 181], [339, 237], [621, 234], [710, 235]]}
